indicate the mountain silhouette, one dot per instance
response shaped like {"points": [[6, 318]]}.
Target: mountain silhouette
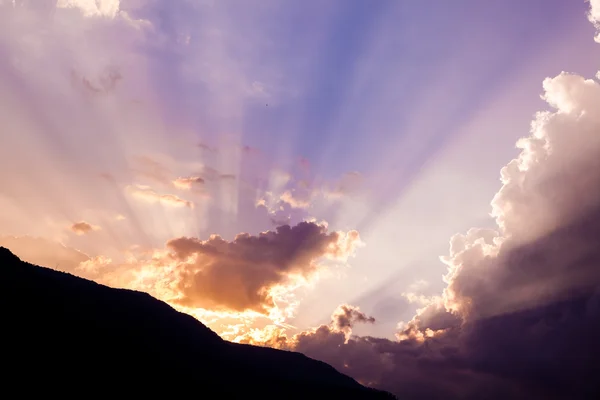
{"points": [[65, 335]]}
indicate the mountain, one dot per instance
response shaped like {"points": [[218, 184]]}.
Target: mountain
{"points": [[64, 335]]}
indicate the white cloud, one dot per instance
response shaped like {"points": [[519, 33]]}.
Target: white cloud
{"points": [[92, 8]]}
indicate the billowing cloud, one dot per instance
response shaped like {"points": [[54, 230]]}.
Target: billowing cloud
{"points": [[547, 212], [82, 227], [346, 316], [333, 344], [238, 275], [594, 16], [520, 315]]}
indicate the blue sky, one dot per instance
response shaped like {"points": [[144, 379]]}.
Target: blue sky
{"points": [[375, 65]]}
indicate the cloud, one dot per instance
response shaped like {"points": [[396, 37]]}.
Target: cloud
{"points": [[237, 287], [82, 228], [295, 199], [238, 275], [345, 316], [188, 182], [331, 343], [546, 210], [343, 319], [301, 194], [520, 315], [594, 16], [92, 8], [147, 194]]}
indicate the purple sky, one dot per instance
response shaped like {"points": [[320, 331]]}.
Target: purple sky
{"points": [[412, 97], [133, 130]]}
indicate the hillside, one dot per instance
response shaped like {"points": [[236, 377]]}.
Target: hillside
{"points": [[66, 335]]}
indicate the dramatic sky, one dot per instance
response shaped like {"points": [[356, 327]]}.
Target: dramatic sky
{"points": [[407, 190]]}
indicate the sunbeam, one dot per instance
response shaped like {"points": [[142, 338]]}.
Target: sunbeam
{"points": [[258, 164]]}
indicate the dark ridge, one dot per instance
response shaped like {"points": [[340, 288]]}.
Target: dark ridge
{"points": [[69, 336]]}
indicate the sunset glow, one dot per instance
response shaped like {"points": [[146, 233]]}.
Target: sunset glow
{"points": [[342, 179]]}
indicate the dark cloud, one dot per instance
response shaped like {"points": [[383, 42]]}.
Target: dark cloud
{"points": [[520, 317], [547, 352], [237, 275], [346, 316]]}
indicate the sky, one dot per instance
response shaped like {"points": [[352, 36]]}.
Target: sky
{"points": [[381, 185]]}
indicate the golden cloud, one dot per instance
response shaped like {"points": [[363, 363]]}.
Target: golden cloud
{"points": [[148, 194], [240, 274]]}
